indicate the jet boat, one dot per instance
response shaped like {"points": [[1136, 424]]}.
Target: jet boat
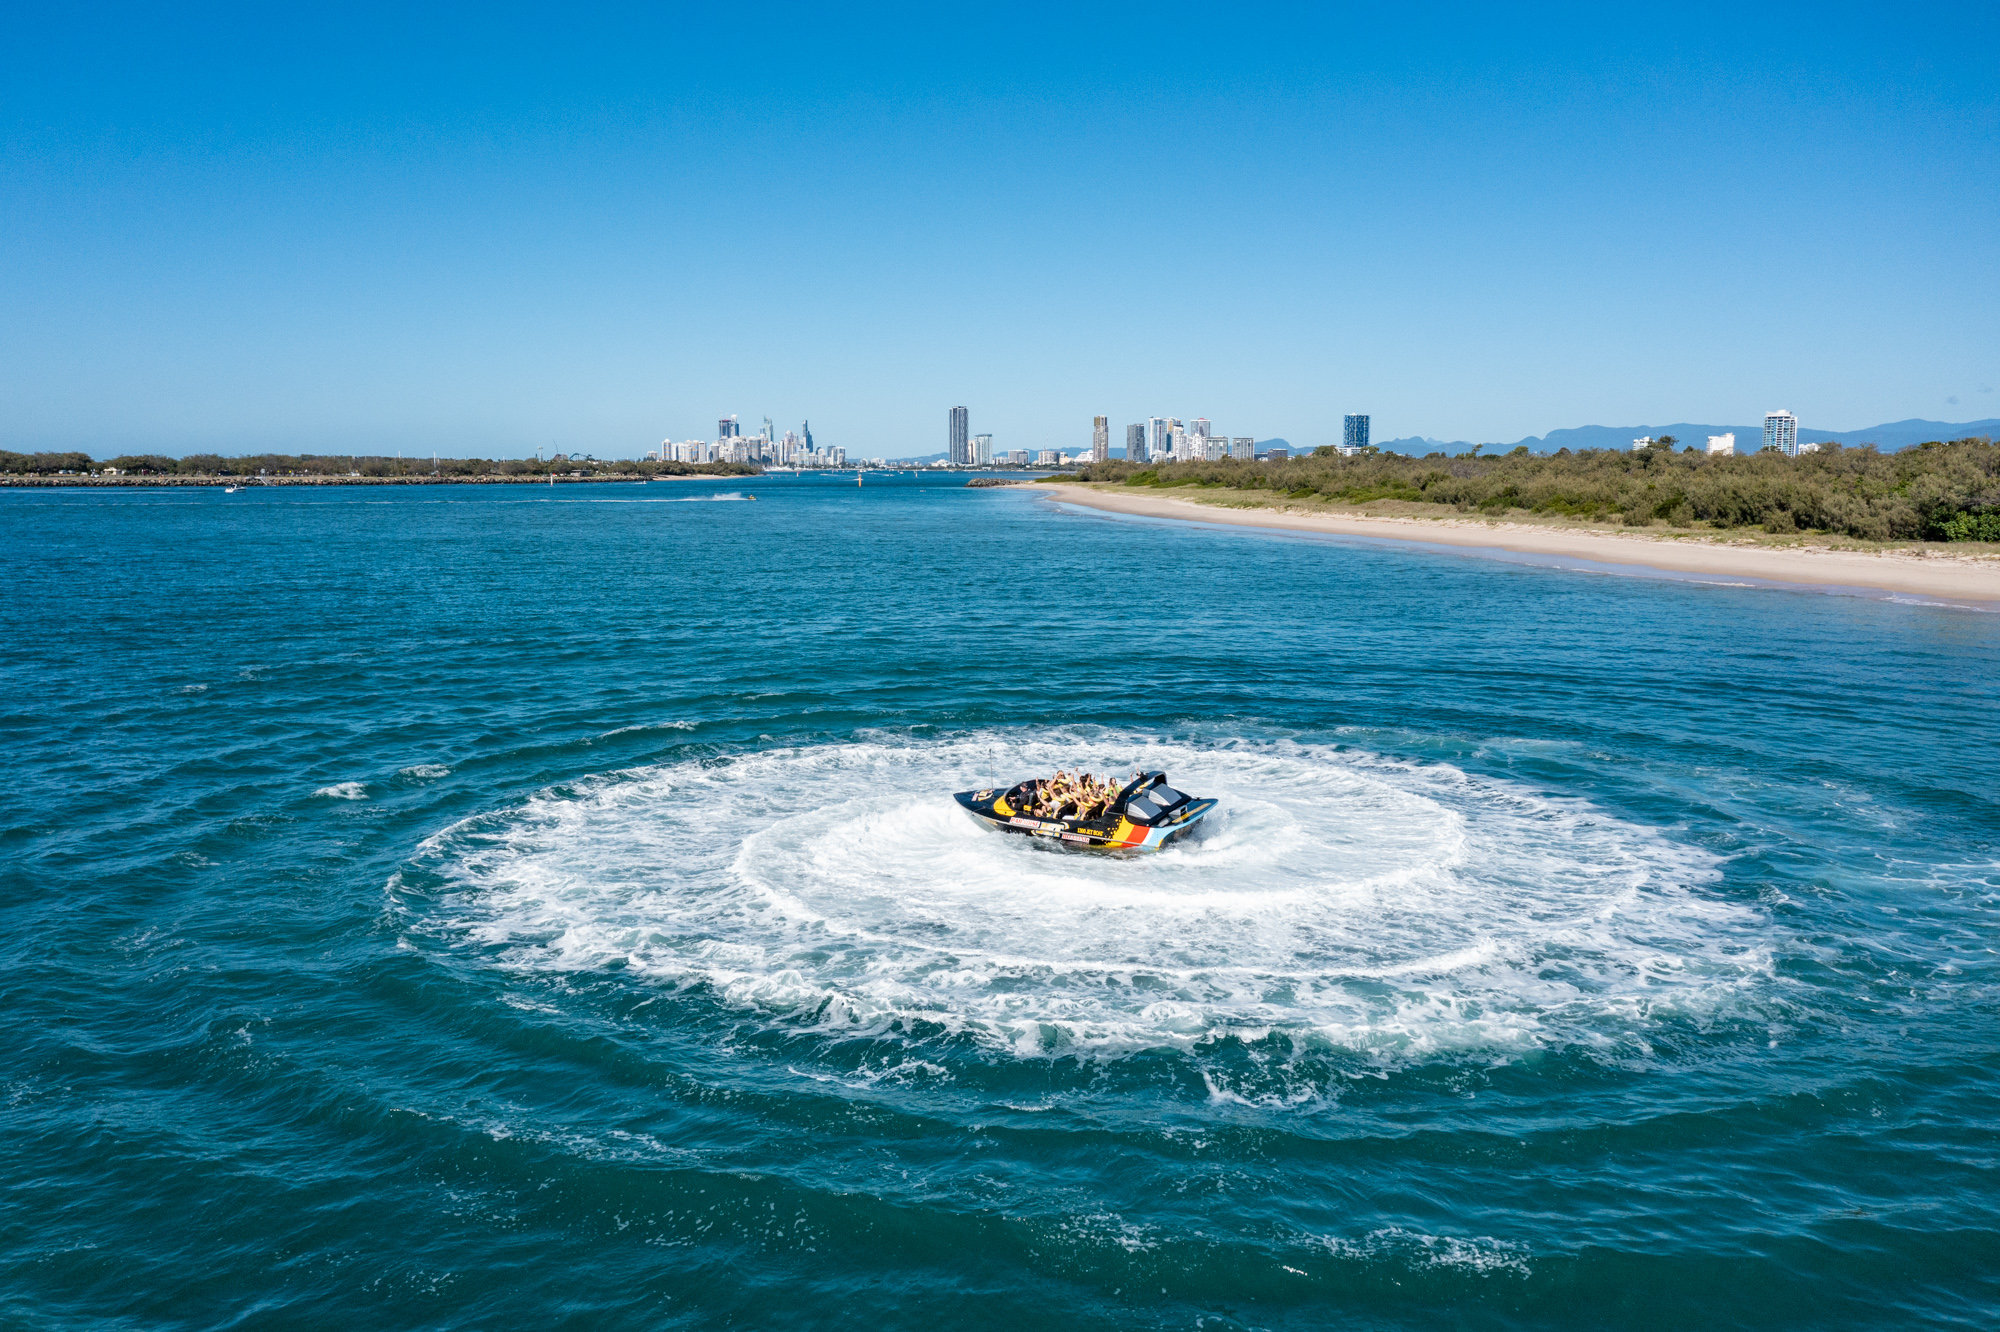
{"points": [[1145, 815]]}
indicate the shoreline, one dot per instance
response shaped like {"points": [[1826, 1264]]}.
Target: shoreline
{"points": [[1972, 578]]}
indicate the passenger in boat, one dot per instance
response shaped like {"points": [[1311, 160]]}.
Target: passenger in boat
{"points": [[1065, 796], [1048, 795], [1055, 796], [1112, 787], [1096, 797], [1073, 796]]}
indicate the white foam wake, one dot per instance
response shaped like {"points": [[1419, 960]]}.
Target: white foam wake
{"points": [[1404, 911]]}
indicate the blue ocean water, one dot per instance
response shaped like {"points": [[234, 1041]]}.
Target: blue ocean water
{"points": [[496, 907]]}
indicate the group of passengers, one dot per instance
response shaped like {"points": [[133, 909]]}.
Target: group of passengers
{"points": [[1073, 796]]}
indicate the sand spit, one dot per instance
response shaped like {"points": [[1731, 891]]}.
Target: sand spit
{"points": [[1922, 573]]}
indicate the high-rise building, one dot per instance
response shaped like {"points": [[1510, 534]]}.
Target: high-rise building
{"points": [[1200, 427], [1243, 447], [1017, 456], [806, 429], [1781, 432], [957, 448], [1353, 432], [982, 449], [1158, 445], [1100, 438], [1723, 446], [727, 428], [1135, 443]]}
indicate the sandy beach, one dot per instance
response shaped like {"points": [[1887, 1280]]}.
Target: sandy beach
{"points": [[1936, 574]]}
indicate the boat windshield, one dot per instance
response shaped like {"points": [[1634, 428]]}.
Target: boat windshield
{"points": [[1164, 795]]}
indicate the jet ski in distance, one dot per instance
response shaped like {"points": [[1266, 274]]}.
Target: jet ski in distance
{"points": [[1145, 815]]}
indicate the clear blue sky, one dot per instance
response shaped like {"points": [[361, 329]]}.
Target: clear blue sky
{"points": [[487, 229]]}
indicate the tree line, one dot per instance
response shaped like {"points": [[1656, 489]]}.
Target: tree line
{"points": [[330, 465], [1939, 491]]}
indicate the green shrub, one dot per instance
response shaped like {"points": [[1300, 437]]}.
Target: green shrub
{"points": [[43, 463], [1973, 526]]}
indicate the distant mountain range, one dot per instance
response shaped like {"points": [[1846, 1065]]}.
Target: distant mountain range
{"points": [[1749, 438]]}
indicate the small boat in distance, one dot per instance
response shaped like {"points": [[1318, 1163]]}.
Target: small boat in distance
{"points": [[1145, 815], [231, 490]]}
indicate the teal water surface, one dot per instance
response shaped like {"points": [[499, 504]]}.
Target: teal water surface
{"points": [[505, 907]]}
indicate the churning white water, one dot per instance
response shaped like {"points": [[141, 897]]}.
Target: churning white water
{"points": [[1402, 911]]}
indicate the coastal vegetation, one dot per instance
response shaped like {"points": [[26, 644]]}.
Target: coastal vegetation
{"points": [[1940, 491], [355, 465]]}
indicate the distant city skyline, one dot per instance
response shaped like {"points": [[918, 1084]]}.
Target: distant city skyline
{"points": [[1198, 439]]}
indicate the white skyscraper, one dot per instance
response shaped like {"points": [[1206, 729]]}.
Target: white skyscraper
{"points": [[1781, 432], [1100, 438], [1159, 445], [982, 449]]}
